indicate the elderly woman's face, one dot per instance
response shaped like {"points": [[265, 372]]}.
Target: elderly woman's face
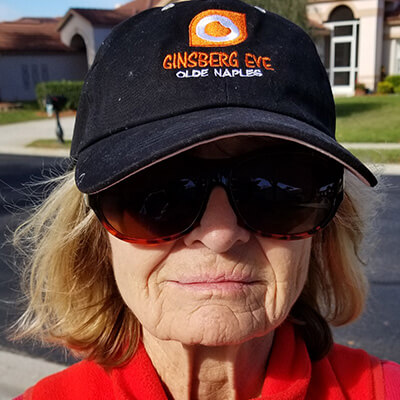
{"points": [[218, 285]]}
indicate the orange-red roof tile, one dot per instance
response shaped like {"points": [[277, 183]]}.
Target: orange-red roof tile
{"points": [[31, 34]]}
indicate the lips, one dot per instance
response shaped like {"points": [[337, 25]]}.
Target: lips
{"points": [[223, 284], [228, 278]]}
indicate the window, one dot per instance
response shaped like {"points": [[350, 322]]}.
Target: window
{"points": [[342, 54], [341, 13], [345, 30], [343, 62]]}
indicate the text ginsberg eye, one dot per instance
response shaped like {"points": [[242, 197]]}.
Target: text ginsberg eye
{"points": [[198, 59]]}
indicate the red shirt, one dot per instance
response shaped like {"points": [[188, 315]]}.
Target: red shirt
{"points": [[343, 374]]}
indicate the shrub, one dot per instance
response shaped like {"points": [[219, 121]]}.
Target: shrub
{"points": [[385, 87], [393, 79], [397, 89], [70, 89]]}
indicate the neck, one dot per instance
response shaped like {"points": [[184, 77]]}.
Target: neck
{"points": [[204, 372]]}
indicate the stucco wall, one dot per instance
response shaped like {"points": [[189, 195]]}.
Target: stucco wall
{"points": [[370, 45], [77, 25], [361, 8], [99, 35], [370, 13], [19, 74]]}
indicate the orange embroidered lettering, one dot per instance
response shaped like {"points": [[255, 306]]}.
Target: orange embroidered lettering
{"points": [[258, 61], [267, 65], [203, 60], [182, 60], [192, 59], [248, 60], [224, 60], [167, 64], [215, 60], [233, 61]]}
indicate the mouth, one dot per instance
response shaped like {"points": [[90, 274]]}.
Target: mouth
{"points": [[222, 283]]}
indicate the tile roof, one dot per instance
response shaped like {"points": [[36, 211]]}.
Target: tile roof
{"points": [[42, 34], [101, 18], [139, 5], [31, 34], [109, 18]]}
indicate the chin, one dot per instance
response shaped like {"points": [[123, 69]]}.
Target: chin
{"points": [[219, 331]]}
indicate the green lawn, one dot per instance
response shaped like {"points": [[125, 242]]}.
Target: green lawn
{"points": [[50, 144], [28, 112], [368, 119], [377, 156]]}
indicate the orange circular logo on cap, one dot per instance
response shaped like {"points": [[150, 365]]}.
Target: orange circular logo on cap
{"points": [[217, 28]]}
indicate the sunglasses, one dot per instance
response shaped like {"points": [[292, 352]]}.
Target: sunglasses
{"points": [[285, 193]]}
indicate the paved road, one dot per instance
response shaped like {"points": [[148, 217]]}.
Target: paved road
{"points": [[16, 171], [378, 331], [15, 137]]}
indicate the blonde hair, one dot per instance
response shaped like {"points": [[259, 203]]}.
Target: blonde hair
{"points": [[73, 299]]}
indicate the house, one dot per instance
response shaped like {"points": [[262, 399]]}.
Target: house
{"points": [[358, 41], [42, 49], [364, 41], [85, 29], [30, 52]]}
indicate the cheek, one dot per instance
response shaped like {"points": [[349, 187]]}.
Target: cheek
{"points": [[135, 270], [289, 262]]}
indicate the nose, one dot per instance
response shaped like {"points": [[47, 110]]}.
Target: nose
{"points": [[218, 229]]}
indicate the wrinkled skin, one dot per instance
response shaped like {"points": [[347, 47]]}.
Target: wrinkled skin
{"points": [[209, 302]]}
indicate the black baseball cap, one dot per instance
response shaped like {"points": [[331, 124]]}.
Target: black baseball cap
{"points": [[171, 78]]}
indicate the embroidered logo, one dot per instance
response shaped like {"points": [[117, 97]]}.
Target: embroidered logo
{"points": [[217, 28]]}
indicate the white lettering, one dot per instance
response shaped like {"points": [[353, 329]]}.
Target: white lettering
{"points": [[237, 72], [181, 74], [220, 73], [195, 73]]}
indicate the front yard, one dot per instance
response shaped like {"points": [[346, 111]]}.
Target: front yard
{"points": [[368, 119], [29, 111]]}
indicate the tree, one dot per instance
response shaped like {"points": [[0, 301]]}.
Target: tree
{"points": [[294, 10]]}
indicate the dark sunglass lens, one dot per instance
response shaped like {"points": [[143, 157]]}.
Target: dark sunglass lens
{"points": [[154, 204], [286, 194]]}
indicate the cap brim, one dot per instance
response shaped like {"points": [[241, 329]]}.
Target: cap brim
{"points": [[118, 155]]}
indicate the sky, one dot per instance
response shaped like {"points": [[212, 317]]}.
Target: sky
{"points": [[14, 9]]}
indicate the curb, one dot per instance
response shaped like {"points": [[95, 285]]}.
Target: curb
{"points": [[18, 373], [384, 169], [32, 151], [372, 146]]}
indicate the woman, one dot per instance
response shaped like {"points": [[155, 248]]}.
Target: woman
{"points": [[211, 227]]}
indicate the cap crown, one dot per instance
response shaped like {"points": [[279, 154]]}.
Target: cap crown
{"points": [[201, 55]]}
